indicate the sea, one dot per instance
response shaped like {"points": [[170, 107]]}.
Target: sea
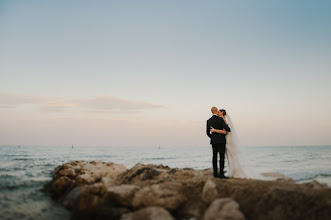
{"points": [[25, 169]]}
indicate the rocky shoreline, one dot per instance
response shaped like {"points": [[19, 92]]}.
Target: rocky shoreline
{"points": [[101, 190]]}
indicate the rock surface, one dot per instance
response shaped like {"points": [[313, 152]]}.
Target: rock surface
{"points": [[149, 213], [100, 190], [223, 209]]}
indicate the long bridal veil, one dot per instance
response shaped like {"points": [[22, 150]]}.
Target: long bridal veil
{"points": [[237, 161], [234, 155]]}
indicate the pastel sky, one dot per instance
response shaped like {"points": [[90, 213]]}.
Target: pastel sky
{"points": [[146, 73]]}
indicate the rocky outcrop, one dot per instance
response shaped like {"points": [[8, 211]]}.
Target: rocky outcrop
{"points": [[100, 190]]}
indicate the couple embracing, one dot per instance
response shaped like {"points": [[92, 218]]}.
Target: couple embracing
{"points": [[224, 143]]}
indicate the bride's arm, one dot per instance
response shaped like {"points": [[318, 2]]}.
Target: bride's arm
{"points": [[217, 130]]}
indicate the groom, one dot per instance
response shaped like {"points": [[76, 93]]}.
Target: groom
{"points": [[217, 140]]}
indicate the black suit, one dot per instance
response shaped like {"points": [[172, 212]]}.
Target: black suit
{"points": [[217, 141]]}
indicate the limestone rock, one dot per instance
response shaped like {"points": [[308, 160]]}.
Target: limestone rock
{"points": [[86, 204], [169, 196], [209, 191], [108, 182], [96, 188], [85, 178], [141, 173], [113, 170], [223, 209], [149, 213], [70, 199], [60, 186], [122, 195], [316, 185], [68, 172], [105, 190]]}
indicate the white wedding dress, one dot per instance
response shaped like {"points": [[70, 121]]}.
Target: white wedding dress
{"points": [[233, 153]]}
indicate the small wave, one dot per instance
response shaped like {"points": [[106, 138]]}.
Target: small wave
{"points": [[24, 159], [20, 184], [159, 158], [313, 176], [291, 161]]}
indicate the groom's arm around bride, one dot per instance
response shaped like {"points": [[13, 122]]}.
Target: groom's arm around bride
{"points": [[219, 124]]}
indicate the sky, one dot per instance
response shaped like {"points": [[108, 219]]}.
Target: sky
{"points": [[146, 73]]}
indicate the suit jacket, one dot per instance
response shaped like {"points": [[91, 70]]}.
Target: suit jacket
{"points": [[217, 123]]}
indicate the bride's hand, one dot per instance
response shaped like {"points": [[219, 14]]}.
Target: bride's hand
{"points": [[212, 129]]}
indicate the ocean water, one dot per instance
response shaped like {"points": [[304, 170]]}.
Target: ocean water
{"points": [[25, 169]]}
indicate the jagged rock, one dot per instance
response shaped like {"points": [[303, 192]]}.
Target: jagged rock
{"points": [[96, 188], [86, 204], [108, 182], [60, 186], [223, 209], [149, 213], [141, 173], [68, 172], [70, 199], [122, 195], [97, 169], [113, 170], [85, 178], [167, 195]]}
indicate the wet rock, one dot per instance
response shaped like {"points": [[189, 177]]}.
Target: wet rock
{"points": [[223, 209], [149, 213]]}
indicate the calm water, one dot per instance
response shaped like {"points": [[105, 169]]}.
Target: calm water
{"points": [[24, 170]]}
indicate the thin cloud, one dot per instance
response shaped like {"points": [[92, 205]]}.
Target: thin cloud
{"points": [[114, 103], [57, 106], [95, 104], [8, 100]]}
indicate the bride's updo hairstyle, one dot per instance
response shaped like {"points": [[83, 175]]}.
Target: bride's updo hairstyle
{"points": [[224, 112]]}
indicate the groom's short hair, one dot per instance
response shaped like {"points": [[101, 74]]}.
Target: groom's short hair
{"points": [[214, 110]]}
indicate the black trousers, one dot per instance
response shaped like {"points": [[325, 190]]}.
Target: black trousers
{"points": [[218, 149]]}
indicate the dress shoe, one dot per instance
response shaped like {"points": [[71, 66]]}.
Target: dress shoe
{"points": [[223, 177]]}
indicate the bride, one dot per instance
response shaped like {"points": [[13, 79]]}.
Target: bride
{"points": [[232, 148]]}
